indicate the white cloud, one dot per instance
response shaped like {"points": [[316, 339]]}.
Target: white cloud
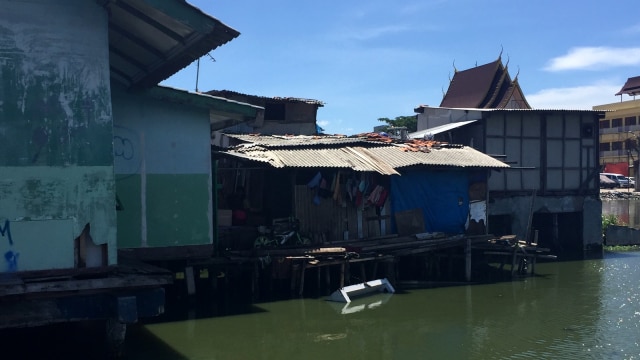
{"points": [[375, 32], [323, 123], [574, 98], [634, 29], [589, 58]]}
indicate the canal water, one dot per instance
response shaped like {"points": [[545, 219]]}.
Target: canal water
{"points": [[588, 309]]}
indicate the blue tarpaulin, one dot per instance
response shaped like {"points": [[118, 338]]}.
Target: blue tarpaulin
{"points": [[443, 197]]}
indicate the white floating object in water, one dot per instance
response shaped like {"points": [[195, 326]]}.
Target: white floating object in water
{"points": [[368, 287]]}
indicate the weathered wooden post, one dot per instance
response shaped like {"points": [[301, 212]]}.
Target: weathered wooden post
{"points": [[467, 252]]}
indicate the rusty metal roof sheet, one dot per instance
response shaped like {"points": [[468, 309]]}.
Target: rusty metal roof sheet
{"points": [[461, 156]]}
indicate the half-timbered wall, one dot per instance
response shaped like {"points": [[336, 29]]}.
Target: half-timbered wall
{"points": [[554, 167]]}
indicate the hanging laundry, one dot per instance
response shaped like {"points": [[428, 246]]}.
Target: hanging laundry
{"points": [[336, 188], [375, 195], [382, 198], [323, 189], [315, 181]]}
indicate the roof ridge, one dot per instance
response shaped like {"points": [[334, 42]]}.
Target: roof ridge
{"points": [[496, 88]]}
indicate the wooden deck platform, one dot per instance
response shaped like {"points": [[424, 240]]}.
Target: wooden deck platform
{"points": [[335, 264], [124, 292]]}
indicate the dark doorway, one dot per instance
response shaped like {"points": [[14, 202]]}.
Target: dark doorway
{"points": [[278, 194], [560, 232], [500, 225]]}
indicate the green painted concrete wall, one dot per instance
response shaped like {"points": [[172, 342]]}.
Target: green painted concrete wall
{"points": [[163, 172], [177, 212], [56, 154], [45, 208]]}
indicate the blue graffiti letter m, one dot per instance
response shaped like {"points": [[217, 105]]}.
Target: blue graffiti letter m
{"points": [[6, 230]]}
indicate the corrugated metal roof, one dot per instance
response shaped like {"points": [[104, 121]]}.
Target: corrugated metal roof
{"points": [[296, 140], [356, 158], [462, 156], [150, 40], [203, 100], [386, 159], [279, 99], [223, 112]]}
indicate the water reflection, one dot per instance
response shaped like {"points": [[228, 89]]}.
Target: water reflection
{"points": [[357, 305], [627, 211], [583, 309]]}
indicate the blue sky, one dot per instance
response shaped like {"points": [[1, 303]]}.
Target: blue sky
{"points": [[371, 59]]}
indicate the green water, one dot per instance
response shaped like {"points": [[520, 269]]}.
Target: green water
{"points": [[587, 309], [572, 310]]}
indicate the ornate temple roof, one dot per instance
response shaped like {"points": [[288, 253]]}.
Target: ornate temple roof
{"points": [[487, 86], [631, 87]]}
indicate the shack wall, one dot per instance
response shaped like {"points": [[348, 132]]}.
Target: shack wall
{"points": [[550, 152], [163, 172], [334, 220], [554, 157], [56, 159]]}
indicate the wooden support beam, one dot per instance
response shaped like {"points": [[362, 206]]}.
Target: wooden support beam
{"points": [[467, 251], [190, 280], [302, 270], [327, 278]]}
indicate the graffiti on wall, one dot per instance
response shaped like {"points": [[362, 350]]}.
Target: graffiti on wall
{"points": [[122, 147], [126, 151], [10, 256], [126, 155]]}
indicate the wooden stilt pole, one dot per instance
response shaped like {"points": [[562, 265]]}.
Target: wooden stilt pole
{"points": [[514, 258], [374, 271], [190, 280], [302, 270], [115, 336], [468, 260], [294, 276], [327, 278], [319, 279]]}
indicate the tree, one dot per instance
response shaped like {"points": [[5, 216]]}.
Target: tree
{"points": [[410, 122]]}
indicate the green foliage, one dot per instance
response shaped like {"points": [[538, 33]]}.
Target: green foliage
{"points": [[620, 248], [410, 122], [609, 219]]}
